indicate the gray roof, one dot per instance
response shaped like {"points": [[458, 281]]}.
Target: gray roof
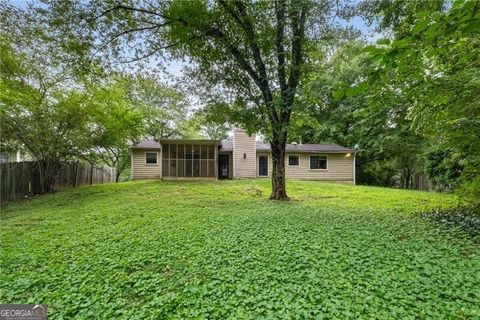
{"points": [[227, 145], [150, 144], [190, 141]]}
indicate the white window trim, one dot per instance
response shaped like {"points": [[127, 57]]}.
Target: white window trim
{"points": [[145, 157], [288, 160], [258, 164], [310, 162]]}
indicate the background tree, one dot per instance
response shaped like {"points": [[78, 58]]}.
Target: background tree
{"points": [[38, 113], [390, 152], [435, 60], [63, 107], [166, 109], [132, 108], [116, 123]]}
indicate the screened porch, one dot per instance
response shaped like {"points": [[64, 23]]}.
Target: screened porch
{"points": [[189, 159]]}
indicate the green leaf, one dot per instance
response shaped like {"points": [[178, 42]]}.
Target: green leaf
{"points": [[338, 94], [420, 26], [383, 41]]}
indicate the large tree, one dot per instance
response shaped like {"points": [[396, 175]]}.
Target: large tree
{"points": [[248, 54], [38, 114], [42, 109]]}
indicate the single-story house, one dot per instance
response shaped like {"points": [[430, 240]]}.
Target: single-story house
{"points": [[241, 157]]}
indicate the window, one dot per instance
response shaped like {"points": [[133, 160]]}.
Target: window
{"points": [[318, 162], [293, 160], [150, 157]]}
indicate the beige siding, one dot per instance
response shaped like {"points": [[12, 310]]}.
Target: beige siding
{"points": [[141, 170], [244, 144], [339, 167]]}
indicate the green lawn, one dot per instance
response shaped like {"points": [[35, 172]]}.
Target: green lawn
{"points": [[221, 250]]}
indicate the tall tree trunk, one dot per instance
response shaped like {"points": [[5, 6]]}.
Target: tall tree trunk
{"points": [[117, 175], [91, 174], [279, 191], [76, 174]]}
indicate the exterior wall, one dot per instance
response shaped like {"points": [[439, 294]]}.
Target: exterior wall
{"points": [[339, 167], [141, 170], [244, 144]]}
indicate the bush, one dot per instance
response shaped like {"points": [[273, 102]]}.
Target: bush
{"points": [[469, 192]]}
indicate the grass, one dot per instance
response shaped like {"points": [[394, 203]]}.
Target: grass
{"points": [[141, 250]]}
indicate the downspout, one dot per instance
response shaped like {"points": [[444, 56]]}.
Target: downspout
{"points": [[233, 156], [132, 174], [215, 155], [354, 168], [161, 162], [356, 148]]}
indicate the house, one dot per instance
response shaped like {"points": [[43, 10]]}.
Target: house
{"points": [[241, 157], [18, 155]]}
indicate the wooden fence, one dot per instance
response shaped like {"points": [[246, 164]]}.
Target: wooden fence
{"points": [[20, 179]]}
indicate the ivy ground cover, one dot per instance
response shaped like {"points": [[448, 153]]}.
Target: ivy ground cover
{"points": [[177, 250]]}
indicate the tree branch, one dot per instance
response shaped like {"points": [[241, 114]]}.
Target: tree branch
{"points": [[297, 18], [280, 14], [244, 21], [123, 7], [128, 31]]}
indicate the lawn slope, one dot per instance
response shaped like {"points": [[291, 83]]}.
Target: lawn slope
{"points": [[155, 250]]}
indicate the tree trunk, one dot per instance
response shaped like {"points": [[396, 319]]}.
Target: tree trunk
{"points": [[48, 170], [117, 175], [76, 174], [91, 174], [41, 171], [279, 191]]}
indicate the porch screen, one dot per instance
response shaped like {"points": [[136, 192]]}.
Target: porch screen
{"points": [[188, 160]]}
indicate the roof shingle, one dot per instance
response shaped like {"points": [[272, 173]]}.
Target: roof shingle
{"points": [[150, 144], [227, 145]]}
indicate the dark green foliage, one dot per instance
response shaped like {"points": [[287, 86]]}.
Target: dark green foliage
{"points": [[469, 191], [337, 107], [218, 250], [465, 220], [443, 167], [433, 62]]}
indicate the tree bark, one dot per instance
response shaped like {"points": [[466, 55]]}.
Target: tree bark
{"points": [[279, 191]]}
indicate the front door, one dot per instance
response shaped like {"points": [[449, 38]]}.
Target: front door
{"points": [[223, 166], [263, 166]]}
